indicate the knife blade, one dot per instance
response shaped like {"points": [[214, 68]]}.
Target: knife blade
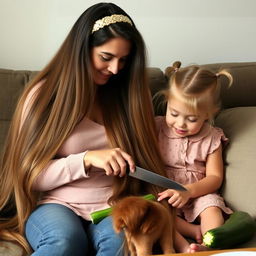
{"points": [[154, 178]]}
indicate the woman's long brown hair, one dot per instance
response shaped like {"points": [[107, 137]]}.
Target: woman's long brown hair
{"points": [[65, 97]]}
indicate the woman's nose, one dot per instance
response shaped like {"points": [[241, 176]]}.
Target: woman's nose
{"points": [[113, 67]]}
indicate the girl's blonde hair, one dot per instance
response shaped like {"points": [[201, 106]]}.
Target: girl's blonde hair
{"points": [[197, 87]]}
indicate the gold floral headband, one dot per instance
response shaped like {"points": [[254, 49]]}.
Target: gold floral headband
{"points": [[106, 21]]}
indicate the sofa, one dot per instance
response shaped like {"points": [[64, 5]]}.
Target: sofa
{"points": [[237, 118]]}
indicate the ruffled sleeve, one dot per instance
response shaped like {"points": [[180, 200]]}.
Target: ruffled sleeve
{"points": [[218, 137]]}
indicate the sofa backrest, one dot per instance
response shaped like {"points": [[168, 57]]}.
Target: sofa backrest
{"points": [[12, 83], [241, 93]]}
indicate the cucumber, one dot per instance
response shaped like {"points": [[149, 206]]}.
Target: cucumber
{"points": [[239, 228], [97, 216]]}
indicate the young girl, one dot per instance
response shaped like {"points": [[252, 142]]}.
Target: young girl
{"points": [[192, 151]]}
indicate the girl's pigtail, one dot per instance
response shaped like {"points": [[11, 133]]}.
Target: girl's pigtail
{"points": [[227, 75], [170, 70], [160, 98]]}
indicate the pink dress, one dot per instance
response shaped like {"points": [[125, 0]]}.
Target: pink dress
{"points": [[185, 160]]}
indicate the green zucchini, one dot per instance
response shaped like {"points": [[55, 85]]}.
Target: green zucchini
{"points": [[237, 229], [97, 216]]}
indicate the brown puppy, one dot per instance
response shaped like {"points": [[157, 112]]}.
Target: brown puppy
{"points": [[144, 223]]}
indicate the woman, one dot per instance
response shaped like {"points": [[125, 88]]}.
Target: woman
{"points": [[79, 124]]}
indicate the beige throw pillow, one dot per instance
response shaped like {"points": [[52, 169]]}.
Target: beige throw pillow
{"points": [[239, 188]]}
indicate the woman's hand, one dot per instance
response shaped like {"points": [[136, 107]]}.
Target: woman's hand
{"points": [[177, 198], [113, 161]]}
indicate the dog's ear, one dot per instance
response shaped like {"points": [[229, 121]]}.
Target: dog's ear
{"points": [[129, 213], [150, 219], [118, 222], [135, 215]]}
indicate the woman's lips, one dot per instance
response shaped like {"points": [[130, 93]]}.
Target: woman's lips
{"points": [[106, 76]]}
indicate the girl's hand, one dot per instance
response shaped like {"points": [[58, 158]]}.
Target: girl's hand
{"points": [[113, 161], [176, 198]]}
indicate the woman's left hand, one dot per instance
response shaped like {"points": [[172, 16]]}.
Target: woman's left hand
{"points": [[177, 198]]}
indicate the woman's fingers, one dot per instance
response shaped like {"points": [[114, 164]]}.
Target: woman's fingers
{"points": [[129, 160], [120, 161], [113, 161], [108, 170], [118, 166]]}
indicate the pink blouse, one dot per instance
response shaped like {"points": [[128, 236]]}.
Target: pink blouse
{"points": [[65, 181]]}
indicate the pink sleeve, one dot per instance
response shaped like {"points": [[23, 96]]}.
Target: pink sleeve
{"points": [[60, 172], [218, 137]]}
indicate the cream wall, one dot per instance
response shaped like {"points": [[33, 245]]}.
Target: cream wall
{"points": [[193, 31]]}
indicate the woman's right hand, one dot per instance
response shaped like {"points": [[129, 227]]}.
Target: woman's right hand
{"points": [[113, 161]]}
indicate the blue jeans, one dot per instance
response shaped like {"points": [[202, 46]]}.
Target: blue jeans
{"points": [[54, 229]]}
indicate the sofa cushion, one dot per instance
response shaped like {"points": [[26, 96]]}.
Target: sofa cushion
{"points": [[239, 125]]}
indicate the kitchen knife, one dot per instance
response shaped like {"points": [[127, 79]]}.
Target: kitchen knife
{"points": [[156, 179]]}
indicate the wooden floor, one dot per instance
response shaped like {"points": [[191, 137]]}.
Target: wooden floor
{"points": [[207, 253]]}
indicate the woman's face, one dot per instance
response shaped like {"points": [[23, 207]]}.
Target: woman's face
{"points": [[109, 58]]}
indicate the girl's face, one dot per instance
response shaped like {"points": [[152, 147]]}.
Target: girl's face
{"points": [[182, 120], [109, 58]]}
